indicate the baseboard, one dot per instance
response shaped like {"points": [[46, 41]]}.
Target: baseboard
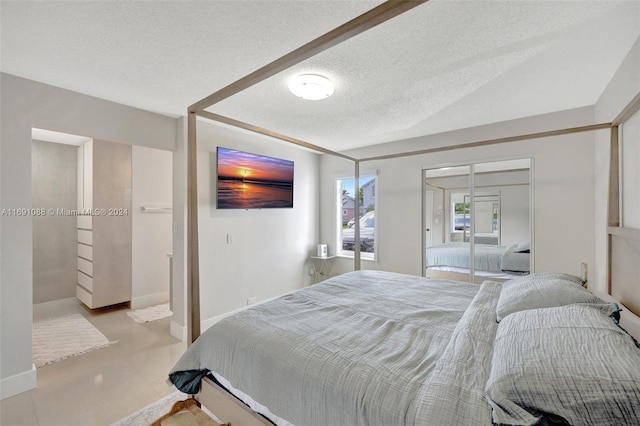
{"points": [[149, 300], [178, 331], [204, 325], [21, 382]]}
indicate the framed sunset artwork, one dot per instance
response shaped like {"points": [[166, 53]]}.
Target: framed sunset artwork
{"points": [[253, 181]]}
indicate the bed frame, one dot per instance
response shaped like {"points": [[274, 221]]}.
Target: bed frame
{"points": [[623, 244]]}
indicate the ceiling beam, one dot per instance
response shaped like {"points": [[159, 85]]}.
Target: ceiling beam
{"points": [[362, 23], [266, 132], [632, 107], [492, 141]]}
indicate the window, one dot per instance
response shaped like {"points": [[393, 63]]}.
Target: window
{"points": [[346, 202], [461, 210]]}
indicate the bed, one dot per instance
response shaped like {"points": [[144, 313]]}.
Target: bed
{"points": [[381, 348], [488, 258], [472, 358]]}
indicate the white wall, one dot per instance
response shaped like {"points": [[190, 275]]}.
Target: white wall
{"points": [[26, 104], [151, 232], [622, 88], [270, 247], [514, 214], [179, 200], [563, 183]]}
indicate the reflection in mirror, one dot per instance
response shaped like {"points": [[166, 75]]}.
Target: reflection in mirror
{"points": [[486, 216], [447, 218]]}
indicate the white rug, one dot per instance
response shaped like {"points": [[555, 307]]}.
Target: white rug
{"points": [[151, 412], [154, 411], [151, 313], [60, 338]]}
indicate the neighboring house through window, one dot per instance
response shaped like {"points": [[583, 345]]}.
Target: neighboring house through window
{"points": [[346, 197], [348, 208]]}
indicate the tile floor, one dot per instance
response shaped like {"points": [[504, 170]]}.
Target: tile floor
{"points": [[103, 386]]}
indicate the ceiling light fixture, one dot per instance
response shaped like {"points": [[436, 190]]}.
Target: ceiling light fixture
{"points": [[312, 87]]}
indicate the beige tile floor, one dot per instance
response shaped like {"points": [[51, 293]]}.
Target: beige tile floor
{"points": [[103, 386]]}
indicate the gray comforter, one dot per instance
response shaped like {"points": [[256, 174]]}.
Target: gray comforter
{"points": [[364, 348]]}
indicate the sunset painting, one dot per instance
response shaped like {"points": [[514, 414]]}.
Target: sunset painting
{"points": [[252, 181]]}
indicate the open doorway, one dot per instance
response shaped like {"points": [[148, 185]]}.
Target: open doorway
{"points": [[102, 231]]}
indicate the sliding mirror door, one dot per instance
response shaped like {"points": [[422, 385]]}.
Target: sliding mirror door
{"points": [[447, 220], [486, 216]]}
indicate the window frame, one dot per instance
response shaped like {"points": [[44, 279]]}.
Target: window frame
{"points": [[467, 213], [339, 227]]}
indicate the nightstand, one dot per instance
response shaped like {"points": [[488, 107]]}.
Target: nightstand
{"points": [[321, 267]]}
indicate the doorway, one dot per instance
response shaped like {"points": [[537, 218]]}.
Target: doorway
{"points": [[65, 254]]}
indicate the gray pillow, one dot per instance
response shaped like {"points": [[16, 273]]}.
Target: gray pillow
{"points": [[541, 290], [569, 363]]}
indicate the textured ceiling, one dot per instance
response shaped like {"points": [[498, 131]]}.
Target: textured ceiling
{"points": [[441, 66]]}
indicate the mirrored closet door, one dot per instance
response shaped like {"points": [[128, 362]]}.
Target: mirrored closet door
{"points": [[482, 212]]}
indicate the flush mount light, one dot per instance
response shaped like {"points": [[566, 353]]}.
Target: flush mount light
{"points": [[312, 87]]}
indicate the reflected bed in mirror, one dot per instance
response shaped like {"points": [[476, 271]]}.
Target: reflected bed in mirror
{"points": [[490, 260]]}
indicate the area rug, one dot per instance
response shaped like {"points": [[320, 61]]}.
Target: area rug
{"points": [[155, 410], [151, 412], [57, 339], [151, 313]]}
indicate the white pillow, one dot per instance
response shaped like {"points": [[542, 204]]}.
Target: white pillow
{"points": [[541, 290], [522, 247], [569, 364]]}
